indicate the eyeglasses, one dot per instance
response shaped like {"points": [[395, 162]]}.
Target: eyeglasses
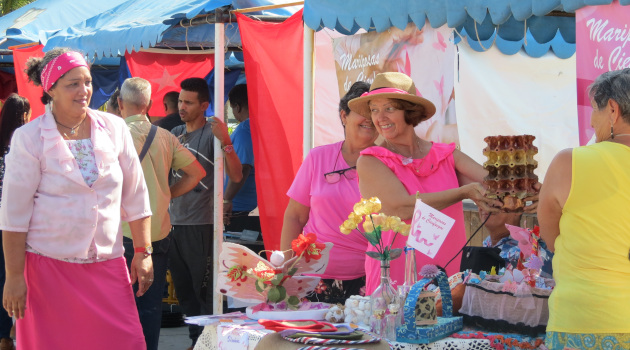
{"points": [[334, 176]]}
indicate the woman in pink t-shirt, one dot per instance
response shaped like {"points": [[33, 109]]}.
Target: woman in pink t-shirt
{"points": [[405, 167], [321, 196]]}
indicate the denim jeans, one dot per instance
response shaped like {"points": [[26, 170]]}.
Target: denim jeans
{"points": [[150, 304]]}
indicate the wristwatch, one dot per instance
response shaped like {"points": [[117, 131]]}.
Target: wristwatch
{"points": [[148, 250], [228, 149]]}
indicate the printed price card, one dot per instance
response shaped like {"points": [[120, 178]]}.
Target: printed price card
{"points": [[429, 228]]}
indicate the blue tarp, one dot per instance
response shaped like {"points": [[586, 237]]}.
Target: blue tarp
{"points": [[137, 24], [129, 26], [504, 20], [47, 16]]}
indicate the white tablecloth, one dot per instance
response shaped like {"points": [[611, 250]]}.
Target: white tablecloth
{"points": [[233, 333]]}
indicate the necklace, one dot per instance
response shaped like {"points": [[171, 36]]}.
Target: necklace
{"points": [[406, 160], [73, 130], [621, 135]]}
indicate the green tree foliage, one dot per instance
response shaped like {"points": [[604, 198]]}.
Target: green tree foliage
{"points": [[7, 6]]}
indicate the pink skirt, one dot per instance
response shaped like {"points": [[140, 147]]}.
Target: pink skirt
{"points": [[78, 306]]}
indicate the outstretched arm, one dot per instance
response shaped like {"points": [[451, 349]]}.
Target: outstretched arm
{"points": [[377, 180]]}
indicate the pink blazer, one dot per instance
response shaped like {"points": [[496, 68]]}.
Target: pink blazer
{"points": [[45, 196]]}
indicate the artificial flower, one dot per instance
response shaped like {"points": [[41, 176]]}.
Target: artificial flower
{"points": [[349, 225], [301, 243], [373, 225], [375, 205], [237, 272], [405, 230], [429, 271], [393, 223], [368, 225], [314, 251], [307, 246], [354, 218], [379, 220], [261, 271], [367, 207]]}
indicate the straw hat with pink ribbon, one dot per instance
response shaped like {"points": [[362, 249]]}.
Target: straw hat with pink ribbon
{"points": [[393, 85]]}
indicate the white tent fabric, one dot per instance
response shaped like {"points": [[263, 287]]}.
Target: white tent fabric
{"points": [[497, 94]]}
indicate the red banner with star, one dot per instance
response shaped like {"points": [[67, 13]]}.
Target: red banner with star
{"points": [[165, 71], [273, 66]]}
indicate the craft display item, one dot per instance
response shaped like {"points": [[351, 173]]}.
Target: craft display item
{"points": [[244, 275], [446, 325], [505, 305], [426, 313], [357, 310], [385, 301], [510, 167]]}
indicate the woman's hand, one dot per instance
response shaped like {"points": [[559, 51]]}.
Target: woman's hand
{"points": [[475, 192], [14, 297], [533, 208], [142, 271]]}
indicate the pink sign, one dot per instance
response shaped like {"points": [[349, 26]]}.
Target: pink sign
{"points": [[601, 35], [429, 228]]}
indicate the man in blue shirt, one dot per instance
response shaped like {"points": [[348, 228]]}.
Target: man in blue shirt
{"points": [[240, 197]]}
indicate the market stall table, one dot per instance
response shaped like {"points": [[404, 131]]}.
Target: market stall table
{"points": [[246, 336]]}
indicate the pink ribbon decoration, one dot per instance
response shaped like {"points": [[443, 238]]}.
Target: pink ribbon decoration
{"points": [[59, 66], [385, 91]]}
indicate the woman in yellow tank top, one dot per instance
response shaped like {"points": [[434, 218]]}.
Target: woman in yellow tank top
{"points": [[583, 215]]}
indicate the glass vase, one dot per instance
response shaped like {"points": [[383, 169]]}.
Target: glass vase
{"points": [[411, 277], [385, 306]]}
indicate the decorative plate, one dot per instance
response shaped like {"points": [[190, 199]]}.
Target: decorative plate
{"points": [[310, 314]]}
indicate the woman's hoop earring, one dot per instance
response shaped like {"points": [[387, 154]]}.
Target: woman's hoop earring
{"points": [[612, 135]]}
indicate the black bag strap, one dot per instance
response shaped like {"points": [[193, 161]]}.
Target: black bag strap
{"points": [[147, 142], [469, 239]]}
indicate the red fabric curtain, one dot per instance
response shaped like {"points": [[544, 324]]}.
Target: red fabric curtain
{"points": [[25, 88], [166, 72], [273, 67], [8, 85]]}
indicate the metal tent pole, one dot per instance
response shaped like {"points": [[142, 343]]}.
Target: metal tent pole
{"points": [[219, 68], [309, 36]]}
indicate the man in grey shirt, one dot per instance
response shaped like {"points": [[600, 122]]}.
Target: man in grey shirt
{"points": [[192, 213]]}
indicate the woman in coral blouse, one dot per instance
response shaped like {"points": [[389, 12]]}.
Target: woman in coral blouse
{"points": [[323, 193], [405, 167], [71, 176]]}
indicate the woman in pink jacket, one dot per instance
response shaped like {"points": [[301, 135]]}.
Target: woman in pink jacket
{"points": [[71, 176]]}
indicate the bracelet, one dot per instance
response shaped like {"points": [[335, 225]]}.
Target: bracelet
{"points": [[228, 149], [227, 201], [417, 195]]}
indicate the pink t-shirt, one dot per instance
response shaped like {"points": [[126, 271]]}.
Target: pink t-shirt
{"points": [[433, 173], [330, 205]]}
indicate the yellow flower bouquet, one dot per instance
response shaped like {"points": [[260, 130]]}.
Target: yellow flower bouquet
{"points": [[374, 224]]}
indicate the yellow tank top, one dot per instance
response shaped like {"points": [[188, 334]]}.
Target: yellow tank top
{"points": [[591, 264]]}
